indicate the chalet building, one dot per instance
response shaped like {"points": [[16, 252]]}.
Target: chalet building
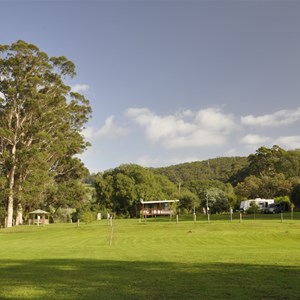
{"points": [[158, 208]]}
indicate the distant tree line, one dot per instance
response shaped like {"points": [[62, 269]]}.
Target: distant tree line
{"points": [[218, 184]]}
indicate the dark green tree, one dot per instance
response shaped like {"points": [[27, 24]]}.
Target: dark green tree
{"points": [[249, 188], [121, 189], [295, 196], [214, 200], [188, 201], [264, 161], [264, 187], [289, 164]]}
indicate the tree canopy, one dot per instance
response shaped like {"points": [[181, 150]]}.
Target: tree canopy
{"points": [[41, 121]]}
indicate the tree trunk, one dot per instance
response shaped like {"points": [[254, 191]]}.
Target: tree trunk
{"points": [[11, 183], [10, 211], [19, 218]]}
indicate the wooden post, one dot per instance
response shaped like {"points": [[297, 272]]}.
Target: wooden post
{"points": [[195, 217], [78, 221], [111, 222], [176, 219], [111, 235], [241, 217]]}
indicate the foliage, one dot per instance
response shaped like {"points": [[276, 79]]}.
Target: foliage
{"points": [[284, 201], [188, 201], [253, 209], [265, 187], [41, 121], [214, 200], [2, 216], [295, 196], [221, 168], [122, 188], [264, 161], [87, 217]]}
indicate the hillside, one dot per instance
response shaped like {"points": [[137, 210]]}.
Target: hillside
{"points": [[221, 168]]}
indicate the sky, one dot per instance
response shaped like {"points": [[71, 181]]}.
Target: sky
{"points": [[173, 81]]}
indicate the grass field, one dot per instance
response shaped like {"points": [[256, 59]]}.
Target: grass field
{"points": [[157, 259]]}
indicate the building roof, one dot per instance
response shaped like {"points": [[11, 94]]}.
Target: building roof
{"points": [[39, 211], [158, 201]]}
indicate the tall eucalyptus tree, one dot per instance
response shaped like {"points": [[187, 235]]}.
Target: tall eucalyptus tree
{"points": [[41, 122]]}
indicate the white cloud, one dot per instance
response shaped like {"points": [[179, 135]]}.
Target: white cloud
{"points": [[288, 142], [214, 119], [79, 88], [255, 139], [281, 117], [109, 129], [187, 129]]}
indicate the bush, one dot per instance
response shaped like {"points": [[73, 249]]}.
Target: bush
{"points": [[183, 211], [254, 209], [87, 217]]}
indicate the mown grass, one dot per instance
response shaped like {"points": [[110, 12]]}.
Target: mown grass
{"points": [[157, 259]]}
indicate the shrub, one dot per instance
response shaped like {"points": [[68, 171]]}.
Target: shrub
{"points": [[254, 209], [87, 217]]}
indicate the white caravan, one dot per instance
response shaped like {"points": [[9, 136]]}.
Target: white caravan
{"points": [[261, 203]]}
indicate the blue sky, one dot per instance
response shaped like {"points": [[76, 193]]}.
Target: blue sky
{"points": [[173, 81]]}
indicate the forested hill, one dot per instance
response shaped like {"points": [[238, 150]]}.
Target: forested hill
{"points": [[221, 168]]}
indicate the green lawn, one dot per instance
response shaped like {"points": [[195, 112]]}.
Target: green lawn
{"points": [[159, 259]]}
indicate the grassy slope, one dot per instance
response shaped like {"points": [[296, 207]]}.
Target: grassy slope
{"points": [[255, 259]]}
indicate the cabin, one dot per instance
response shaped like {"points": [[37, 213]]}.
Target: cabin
{"points": [[39, 217], [158, 208]]}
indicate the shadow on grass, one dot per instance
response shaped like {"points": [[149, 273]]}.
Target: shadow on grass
{"points": [[92, 279], [95, 279]]}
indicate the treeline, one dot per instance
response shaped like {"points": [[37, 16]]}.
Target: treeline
{"points": [[216, 184]]}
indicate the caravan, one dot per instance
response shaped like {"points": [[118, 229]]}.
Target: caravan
{"points": [[261, 203]]}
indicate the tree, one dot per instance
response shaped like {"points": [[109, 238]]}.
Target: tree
{"points": [[275, 186], [290, 163], [295, 196], [264, 161], [249, 188], [230, 195], [264, 187], [41, 121], [214, 200], [122, 188], [188, 201]]}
